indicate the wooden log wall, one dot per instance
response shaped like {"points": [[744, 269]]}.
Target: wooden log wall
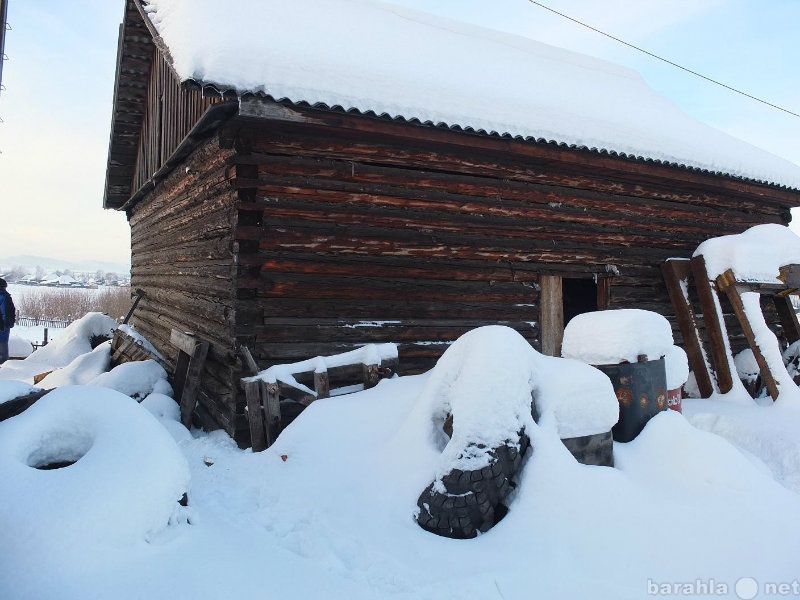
{"points": [[171, 112], [183, 258], [355, 230]]}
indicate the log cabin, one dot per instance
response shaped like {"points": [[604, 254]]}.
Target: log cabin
{"points": [[304, 178]]}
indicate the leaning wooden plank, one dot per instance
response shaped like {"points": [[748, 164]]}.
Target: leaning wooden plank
{"points": [[727, 283], [272, 408], [255, 415], [676, 275], [788, 317], [192, 385], [714, 325], [192, 353], [291, 392], [248, 362], [186, 342]]}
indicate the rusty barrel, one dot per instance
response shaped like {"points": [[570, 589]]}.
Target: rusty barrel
{"points": [[641, 390]]}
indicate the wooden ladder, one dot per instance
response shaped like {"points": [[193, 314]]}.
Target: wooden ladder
{"points": [[679, 273]]}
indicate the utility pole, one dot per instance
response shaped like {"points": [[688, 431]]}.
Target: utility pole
{"points": [[3, 27]]}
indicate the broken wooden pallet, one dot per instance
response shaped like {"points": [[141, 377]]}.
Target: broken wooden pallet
{"points": [[329, 375]]}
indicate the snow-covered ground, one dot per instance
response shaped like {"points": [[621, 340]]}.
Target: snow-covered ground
{"points": [[701, 501]]}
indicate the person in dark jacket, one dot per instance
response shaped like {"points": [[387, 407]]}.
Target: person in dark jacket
{"points": [[6, 320]]}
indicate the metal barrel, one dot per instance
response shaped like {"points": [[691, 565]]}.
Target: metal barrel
{"points": [[641, 390]]}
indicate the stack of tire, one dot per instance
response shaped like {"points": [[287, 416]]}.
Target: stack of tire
{"points": [[464, 503]]}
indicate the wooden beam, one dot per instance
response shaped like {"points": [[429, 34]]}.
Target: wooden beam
{"points": [[322, 384], [272, 407], [727, 283], [551, 306], [604, 293], [248, 362], [714, 325], [676, 273], [192, 353], [788, 318], [255, 415]]}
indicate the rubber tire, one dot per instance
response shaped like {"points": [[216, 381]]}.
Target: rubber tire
{"points": [[473, 500]]}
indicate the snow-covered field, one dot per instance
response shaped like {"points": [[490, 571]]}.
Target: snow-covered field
{"points": [[707, 500]]}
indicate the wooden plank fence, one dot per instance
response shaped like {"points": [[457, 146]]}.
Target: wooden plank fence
{"points": [[307, 381]]}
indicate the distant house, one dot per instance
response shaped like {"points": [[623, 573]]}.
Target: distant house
{"points": [[302, 178]]}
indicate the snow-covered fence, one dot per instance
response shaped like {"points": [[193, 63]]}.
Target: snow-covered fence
{"points": [[329, 376], [40, 322]]}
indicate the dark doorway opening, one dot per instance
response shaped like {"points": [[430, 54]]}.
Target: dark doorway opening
{"points": [[579, 296]]}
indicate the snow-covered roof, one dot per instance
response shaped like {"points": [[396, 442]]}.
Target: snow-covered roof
{"points": [[373, 56]]}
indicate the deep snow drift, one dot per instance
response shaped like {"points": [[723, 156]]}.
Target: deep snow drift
{"points": [[327, 512]]}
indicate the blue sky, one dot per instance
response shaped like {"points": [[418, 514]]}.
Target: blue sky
{"points": [[60, 73]]}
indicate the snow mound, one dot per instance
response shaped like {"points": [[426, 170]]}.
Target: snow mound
{"points": [[135, 379], [166, 410], [487, 380], [81, 370], [19, 347], [74, 341], [746, 366], [754, 255], [127, 478], [10, 389], [697, 459], [676, 364], [484, 379], [609, 337], [577, 397]]}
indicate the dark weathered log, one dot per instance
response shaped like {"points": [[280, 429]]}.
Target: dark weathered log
{"points": [[676, 274], [715, 329]]}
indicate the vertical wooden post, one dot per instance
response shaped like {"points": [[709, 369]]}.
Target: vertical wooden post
{"points": [[676, 276], [604, 293], [255, 415], [551, 307], [727, 283], [714, 325], [272, 407], [322, 384], [788, 318]]}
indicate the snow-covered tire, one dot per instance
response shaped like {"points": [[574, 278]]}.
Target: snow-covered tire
{"points": [[472, 501], [595, 449], [92, 465]]}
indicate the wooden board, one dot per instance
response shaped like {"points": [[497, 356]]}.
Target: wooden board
{"points": [[676, 273]]}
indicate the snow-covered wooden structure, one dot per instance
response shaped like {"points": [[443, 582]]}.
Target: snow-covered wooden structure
{"points": [[302, 189]]}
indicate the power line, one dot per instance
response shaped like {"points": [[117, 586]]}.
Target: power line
{"points": [[669, 62]]}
